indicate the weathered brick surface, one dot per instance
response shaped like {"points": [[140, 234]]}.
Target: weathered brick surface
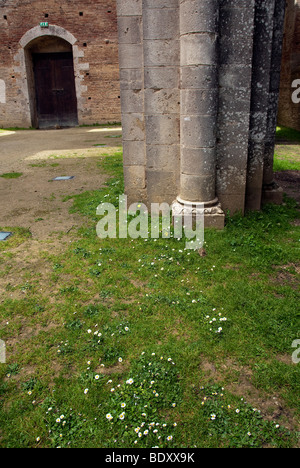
{"points": [[289, 112], [94, 26]]}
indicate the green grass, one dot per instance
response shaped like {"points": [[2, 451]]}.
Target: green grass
{"points": [[287, 153], [285, 164], [11, 175], [117, 342], [287, 135], [13, 129], [103, 125]]}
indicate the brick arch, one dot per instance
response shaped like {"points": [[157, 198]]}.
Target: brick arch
{"points": [[52, 30]]}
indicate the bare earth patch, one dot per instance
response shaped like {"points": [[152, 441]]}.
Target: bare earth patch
{"points": [[34, 201], [271, 406], [290, 182]]}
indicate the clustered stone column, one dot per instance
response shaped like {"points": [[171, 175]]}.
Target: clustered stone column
{"points": [[199, 92]]}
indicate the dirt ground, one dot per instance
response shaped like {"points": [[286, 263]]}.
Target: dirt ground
{"points": [[290, 182], [34, 200]]}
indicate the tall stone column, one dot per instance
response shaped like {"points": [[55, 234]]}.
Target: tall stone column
{"points": [[131, 58], [261, 66], [236, 26], [272, 193], [199, 107]]}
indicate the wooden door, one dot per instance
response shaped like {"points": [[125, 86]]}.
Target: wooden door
{"points": [[55, 90]]}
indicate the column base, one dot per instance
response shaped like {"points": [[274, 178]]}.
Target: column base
{"points": [[272, 193], [214, 216]]}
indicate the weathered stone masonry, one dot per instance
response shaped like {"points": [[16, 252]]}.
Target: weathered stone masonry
{"points": [[88, 29], [199, 94]]}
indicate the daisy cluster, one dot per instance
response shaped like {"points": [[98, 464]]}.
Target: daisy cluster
{"points": [[64, 427], [216, 322], [135, 405], [238, 423], [64, 348]]}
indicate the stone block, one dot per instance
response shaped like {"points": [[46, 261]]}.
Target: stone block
{"points": [[134, 153], [199, 16], [199, 101], [129, 7], [234, 100], [130, 56], [232, 202], [130, 29], [162, 101], [131, 78], [258, 126], [235, 51], [198, 160], [272, 195], [198, 131], [233, 127], [237, 24], [133, 127], [197, 188], [132, 101], [235, 76], [234, 154], [161, 186], [248, 4], [199, 76], [162, 78], [134, 177], [198, 49], [162, 129], [231, 179], [161, 53], [160, 24], [136, 195], [160, 4], [163, 157]]}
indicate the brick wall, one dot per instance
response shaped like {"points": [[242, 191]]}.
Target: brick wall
{"points": [[289, 112], [93, 27]]}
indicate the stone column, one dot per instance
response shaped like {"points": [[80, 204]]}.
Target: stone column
{"points": [[130, 30], [235, 57], [272, 193], [162, 97], [199, 107], [261, 65]]}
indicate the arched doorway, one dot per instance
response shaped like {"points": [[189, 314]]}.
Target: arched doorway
{"points": [[51, 82]]}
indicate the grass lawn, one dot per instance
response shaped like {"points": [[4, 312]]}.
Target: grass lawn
{"points": [[11, 175], [140, 343], [287, 154]]}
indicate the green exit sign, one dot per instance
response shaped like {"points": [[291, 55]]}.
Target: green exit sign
{"points": [[44, 25]]}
